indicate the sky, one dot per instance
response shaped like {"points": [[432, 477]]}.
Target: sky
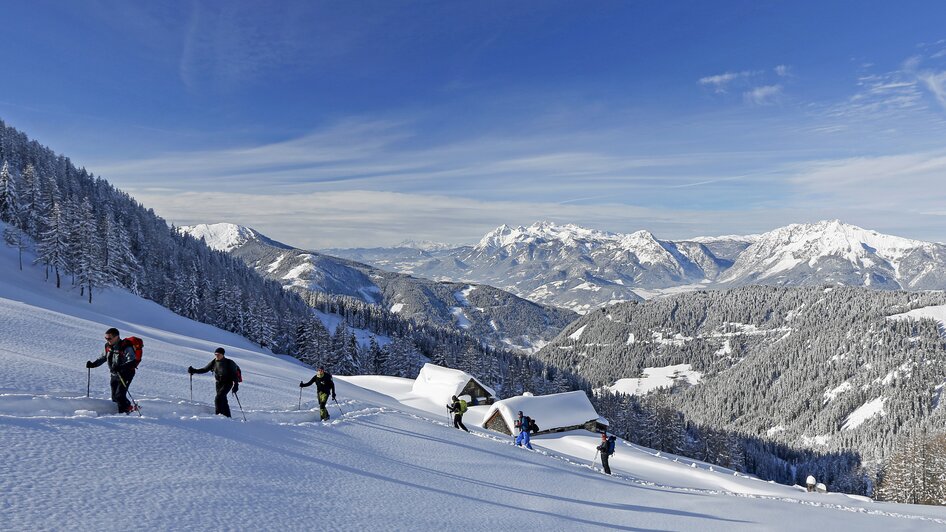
{"points": [[366, 123]]}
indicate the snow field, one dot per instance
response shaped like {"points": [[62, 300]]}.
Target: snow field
{"points": [[391, 461]]}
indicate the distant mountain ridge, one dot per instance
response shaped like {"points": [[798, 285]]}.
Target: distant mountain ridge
{"points": [[581, 269], [499, 317]]}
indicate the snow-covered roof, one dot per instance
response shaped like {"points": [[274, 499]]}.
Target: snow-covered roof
{"points": [[549, 411], [439, 383]]}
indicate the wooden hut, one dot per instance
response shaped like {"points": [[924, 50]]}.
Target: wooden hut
{"points": [[552, 413], [440, 384]]}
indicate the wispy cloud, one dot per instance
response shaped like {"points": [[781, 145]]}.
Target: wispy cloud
{"points": [[764, 95], [721, 82], [906, 183], [782, 70], [935, 82]]}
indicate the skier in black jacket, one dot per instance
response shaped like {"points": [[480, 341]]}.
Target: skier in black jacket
{"points": [[227, 374], [458, 407], [324, 385], [605, 449], [120, 356]]}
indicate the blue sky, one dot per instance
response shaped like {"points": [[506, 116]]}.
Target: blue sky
{"points": [[344, 124]]}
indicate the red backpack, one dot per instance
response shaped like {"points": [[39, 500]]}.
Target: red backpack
{"points": [[138, 344]]}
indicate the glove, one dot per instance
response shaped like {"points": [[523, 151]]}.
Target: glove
{"points": [[301, 383], [190, 369], [333, 397], [236, 388], [88, 364]]}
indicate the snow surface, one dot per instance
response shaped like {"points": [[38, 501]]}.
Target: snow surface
{"points": [[656, 378], [387, 460], [864, 412], [577, 334], [937, 312]]}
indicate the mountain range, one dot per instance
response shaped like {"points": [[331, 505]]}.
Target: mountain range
{"points": [[498, 317], [581, 269]]}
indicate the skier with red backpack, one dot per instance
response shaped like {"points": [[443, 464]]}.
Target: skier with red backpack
{"points": [[227, 375], [123, 357]]}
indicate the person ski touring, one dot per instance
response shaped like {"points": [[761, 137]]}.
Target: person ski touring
{"points": [[523, 423], [458, 407], [228, 377], [122, 362], [607, 449], [324, 385]]}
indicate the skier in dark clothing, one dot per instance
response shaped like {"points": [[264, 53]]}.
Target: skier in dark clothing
{"points": [[606, 449], [227, 375], [324, 385], [120, 356], [458, 407]]}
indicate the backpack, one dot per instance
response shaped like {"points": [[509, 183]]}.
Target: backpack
{"points": [[138, 344], [533, 427], [239, 374], [462, 406], [524, 423], [611, 443]]}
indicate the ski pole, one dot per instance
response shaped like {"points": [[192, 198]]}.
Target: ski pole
{"points": [[241, 406], [593, 460], [192, 387], [124, 385], [339, 406], [88, 384], [300, 398]]}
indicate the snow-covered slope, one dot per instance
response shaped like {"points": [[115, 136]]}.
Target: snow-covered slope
{"points": [[386, 461]]}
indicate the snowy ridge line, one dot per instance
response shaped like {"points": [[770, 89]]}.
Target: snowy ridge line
{"points": [[644, 483]]}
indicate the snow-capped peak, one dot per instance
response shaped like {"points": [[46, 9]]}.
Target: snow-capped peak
{"points": [[833, 237], [568, 235], [793, 245], [222, 236]]}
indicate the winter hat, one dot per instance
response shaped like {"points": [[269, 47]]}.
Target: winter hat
{"points": [[454, 397], [220, 350]]}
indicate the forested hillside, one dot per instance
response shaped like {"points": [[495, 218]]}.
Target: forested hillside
{"points": [[822, 368]]}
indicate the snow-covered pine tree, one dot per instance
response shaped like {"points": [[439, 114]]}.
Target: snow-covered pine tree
{"points": [[33, 207], [9, 197], [52, 250], [375, 356], [88, 253]]}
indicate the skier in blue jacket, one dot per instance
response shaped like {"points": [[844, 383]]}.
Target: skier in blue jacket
{"points": [[522, 423]]}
